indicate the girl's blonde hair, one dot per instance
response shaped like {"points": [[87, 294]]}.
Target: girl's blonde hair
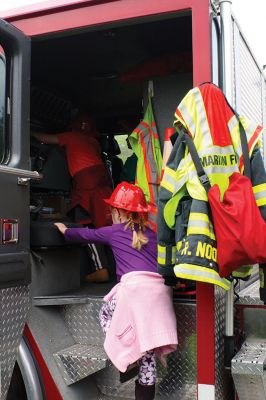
{"points": [[139, 239]]}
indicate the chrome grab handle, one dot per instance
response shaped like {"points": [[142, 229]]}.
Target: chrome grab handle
{"points": [[22, 173]]}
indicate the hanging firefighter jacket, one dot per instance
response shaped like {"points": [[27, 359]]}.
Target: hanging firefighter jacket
{"points": [[186, 241], [145, 144]]}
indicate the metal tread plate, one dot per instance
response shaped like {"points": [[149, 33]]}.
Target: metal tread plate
{"points": [[59, 300], [84, 295], [250, 295], [248, 371], [79, 361], [15, 307]]}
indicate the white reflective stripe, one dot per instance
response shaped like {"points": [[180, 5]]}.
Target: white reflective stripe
{"points": [[200, 224], [259, 188], [217, 150], [260, 195], [232, 122], [200, 231], [95, 256], [180, 184], [238, 151], [170, 172], [233, 126], [153, 186], [217, 169], [168, 182], [171, 184], [199, 216], [202, 274], [162, 254], [203, 122], [187, 117], [250, 128], [206, 392], [195, 223]]}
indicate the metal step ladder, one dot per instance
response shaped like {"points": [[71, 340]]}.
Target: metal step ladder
{"points": [[79, 361], [80, 311], [249, 371], [86, 357]]}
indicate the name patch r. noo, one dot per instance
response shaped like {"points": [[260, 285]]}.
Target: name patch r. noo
{"points": [[197, 249]]}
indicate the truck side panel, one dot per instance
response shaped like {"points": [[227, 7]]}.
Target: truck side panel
{"points": [[249, 81]]}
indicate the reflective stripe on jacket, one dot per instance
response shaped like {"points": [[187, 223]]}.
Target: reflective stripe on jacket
{"points": [[188, 247], [145, 144]]}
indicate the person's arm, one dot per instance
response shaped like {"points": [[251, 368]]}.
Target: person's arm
{"points": [[46, 137], [85, 235], [61, 227]]}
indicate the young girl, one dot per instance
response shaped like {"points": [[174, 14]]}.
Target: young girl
{"points": [[138, 315]]}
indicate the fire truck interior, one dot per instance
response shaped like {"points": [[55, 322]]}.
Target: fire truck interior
{"points": [[111, 70], [106, 71]]}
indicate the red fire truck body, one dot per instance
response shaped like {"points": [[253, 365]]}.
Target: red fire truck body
{"points": [[103, 56]]}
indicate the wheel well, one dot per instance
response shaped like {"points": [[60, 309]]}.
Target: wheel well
{"points": [[17, 388]]}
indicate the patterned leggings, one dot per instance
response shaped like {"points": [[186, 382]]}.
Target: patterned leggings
{"points": [[147, 363]]}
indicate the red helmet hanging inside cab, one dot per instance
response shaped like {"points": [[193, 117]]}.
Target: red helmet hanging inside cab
{"points": [[129, 197]]}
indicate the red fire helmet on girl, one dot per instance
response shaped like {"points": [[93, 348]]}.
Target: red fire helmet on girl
{"points": [[129, 197]]}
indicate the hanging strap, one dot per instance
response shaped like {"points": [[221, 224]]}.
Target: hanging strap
{"points": [[203, 177], [245, 152]]}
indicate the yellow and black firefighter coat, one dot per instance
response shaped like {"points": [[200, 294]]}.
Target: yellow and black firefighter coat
{"points": [[186, 240]]}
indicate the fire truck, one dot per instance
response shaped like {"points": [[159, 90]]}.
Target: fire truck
{"points": [[106, 55]]}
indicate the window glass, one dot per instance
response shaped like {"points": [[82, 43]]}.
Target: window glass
{"points": [[128, 172], [125, 147], [2, 105]]}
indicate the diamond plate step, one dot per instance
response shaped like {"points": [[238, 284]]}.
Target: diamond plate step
{"points": [[250, 295], [248, 371], [83, 295], [79, 361], [82, 321], [43, 301]]}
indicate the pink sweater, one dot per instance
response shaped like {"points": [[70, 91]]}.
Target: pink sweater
{"points": [[144, 319]]}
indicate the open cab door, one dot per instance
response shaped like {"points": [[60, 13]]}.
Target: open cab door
{"points": [[14, 199]]}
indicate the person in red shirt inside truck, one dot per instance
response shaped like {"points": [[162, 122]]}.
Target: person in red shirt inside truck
{"points": [[91, 182]]}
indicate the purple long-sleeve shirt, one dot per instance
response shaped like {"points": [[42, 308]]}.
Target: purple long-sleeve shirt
{"points": [[119, 239]]}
